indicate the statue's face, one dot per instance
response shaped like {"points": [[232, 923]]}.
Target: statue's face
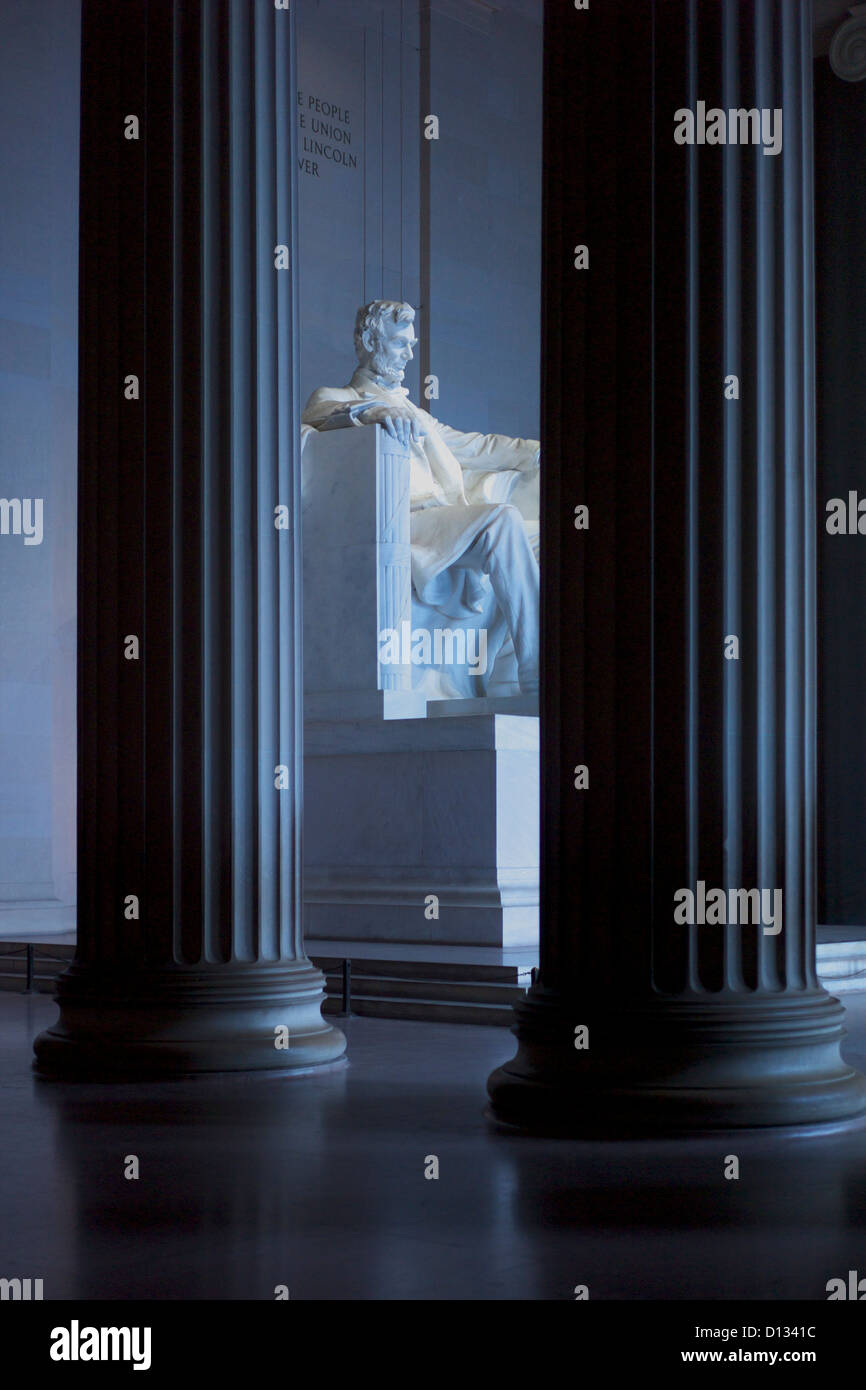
{"points": [[393, 351]]}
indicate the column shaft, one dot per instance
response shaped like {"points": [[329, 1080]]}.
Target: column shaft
{"points": [[701, 752], [190, 951]]}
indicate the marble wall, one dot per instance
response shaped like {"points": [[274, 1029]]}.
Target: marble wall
{"points": [[39, 92], [452, 225], [359, 169], [485, 214]]}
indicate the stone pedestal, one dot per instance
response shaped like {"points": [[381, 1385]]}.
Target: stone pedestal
{"points": [[422, 830], [679, 391], [190, 954]]}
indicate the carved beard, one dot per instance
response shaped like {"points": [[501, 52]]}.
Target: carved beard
{"points": [[380, 364]]}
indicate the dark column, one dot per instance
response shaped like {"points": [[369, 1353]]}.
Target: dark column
{"points": [[701, 527], [190, 954], [840, 161]]}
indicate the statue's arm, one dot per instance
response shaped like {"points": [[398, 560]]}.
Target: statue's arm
{"points": [[325, 411], [492, 452], [344, 417]]}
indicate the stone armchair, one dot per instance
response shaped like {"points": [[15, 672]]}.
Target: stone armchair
{"points": [[365, 648]]}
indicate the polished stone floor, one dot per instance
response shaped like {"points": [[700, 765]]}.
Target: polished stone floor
{"points": [[318, 1183]]}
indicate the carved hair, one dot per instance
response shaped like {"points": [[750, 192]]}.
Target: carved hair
{"points": [[371, 318]]}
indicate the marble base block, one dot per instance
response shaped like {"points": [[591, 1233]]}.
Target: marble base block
{"points": [[401, 812]]}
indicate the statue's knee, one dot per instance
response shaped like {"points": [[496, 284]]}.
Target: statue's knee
{"points": [[510, 517], [503, 526]]}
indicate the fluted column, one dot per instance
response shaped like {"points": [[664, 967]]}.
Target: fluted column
{"points": [[679, 626], [190, 954]]}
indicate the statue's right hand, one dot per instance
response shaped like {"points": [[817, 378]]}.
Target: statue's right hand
{"points": [[397, 420]]}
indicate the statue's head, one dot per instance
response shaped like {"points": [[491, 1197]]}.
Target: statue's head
{"points": [[384, 338]]}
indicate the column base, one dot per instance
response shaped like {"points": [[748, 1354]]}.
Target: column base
{"points": [[724, 1061], [171, 1022]]}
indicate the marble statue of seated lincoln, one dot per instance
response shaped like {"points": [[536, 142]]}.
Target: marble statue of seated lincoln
{"points": [[474, 511]]}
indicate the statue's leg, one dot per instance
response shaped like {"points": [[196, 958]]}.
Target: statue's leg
{"points": [[525, 496], [502, 549]]}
